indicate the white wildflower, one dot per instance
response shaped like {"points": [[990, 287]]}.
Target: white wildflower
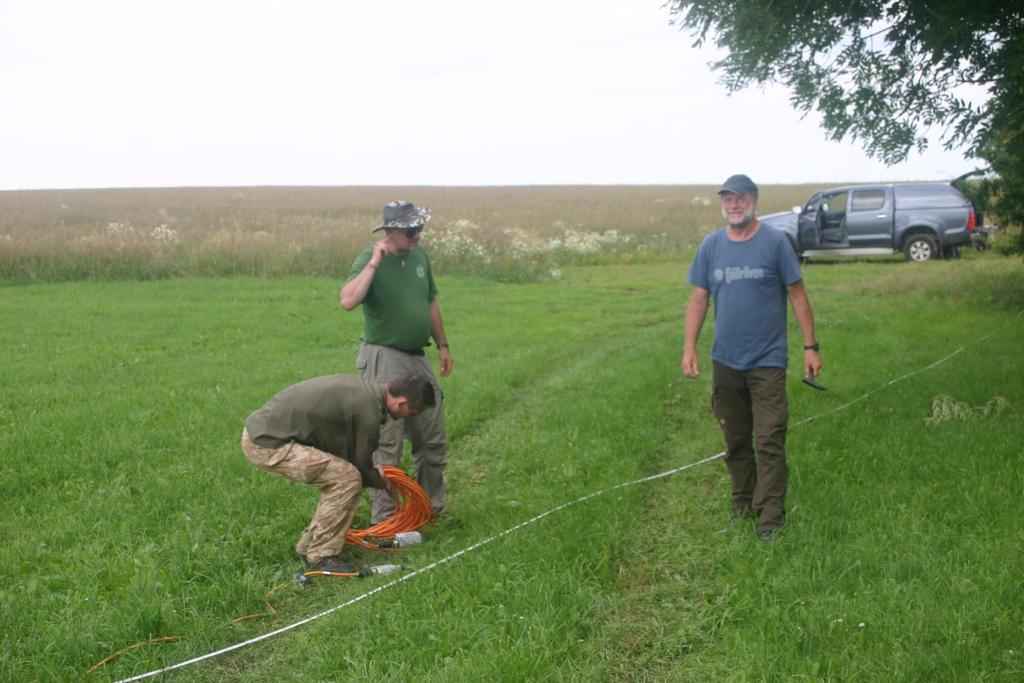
{"points": [[556, 273], [119, 229], [455, 240], [613, 237], [162, 233], [581, 242], [522, 242]]}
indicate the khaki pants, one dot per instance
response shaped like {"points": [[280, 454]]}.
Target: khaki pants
{"points": [[751, 405], [340, 486], [425, 431]]}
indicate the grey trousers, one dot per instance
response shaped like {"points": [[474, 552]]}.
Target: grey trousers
{"points": [[425, 431], [751, 405]]}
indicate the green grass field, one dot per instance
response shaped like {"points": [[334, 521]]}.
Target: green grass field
{"points": [[129, 512]]}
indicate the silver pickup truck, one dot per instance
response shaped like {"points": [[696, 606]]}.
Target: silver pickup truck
{"points": [[923, 220]]}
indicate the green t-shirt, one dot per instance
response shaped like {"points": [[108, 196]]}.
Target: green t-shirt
{"points": [[396, 309], [337, 414]]}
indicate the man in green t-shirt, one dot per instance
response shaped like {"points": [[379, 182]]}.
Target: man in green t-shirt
{"points": [[323, 432], [393, 281]]}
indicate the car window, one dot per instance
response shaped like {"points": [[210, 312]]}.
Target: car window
{"points": [[812, 204], [928, 197], [834, 203], [867, 200]]}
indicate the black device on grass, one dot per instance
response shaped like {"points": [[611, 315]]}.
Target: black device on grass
{"points": [[809, 381]]}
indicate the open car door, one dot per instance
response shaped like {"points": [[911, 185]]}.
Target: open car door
{"points": [[831, 220]]}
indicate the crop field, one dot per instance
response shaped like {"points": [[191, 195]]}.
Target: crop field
{"points": [[130, 514], [503, 233]]}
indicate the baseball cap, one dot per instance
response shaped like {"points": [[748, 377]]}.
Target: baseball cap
{"points": [[740, 184]]}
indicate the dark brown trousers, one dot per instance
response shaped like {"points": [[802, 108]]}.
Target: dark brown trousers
{"points": [[752, 405]]}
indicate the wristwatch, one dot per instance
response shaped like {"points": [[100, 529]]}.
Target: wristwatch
{"points": [[442, 345], [811, 347]]}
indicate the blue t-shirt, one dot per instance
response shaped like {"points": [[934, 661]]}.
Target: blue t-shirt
{"points": [[747, 281]]}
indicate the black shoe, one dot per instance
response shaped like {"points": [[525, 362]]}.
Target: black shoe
{"points": [[333, 564]]}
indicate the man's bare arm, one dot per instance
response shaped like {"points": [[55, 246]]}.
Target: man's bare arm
{"points": [[354, 291], [805, 318], [444, 354], [696, 311]]}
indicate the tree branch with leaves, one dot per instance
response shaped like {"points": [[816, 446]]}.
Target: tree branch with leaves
{"points": [[886, 73]]}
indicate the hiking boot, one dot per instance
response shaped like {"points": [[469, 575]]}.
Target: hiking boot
{"points": [[332, 564], [768, 535]]}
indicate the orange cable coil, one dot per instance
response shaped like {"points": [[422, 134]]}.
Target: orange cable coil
{"points": [[412, 510]]}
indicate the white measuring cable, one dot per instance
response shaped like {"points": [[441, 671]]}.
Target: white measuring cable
{"points": [[890, 383], [417, 572], [480, 544]]}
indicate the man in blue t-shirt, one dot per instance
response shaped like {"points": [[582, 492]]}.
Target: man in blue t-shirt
{"points": [[749, 270]]}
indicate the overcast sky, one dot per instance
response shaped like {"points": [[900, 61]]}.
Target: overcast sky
{"points": [[111, 93]]}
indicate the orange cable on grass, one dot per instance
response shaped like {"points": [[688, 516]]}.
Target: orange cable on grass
{"points": [[266, 601], [412, 510], [136, 646], [324, 572]]}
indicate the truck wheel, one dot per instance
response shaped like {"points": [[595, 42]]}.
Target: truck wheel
{"points": [[920, 248]]}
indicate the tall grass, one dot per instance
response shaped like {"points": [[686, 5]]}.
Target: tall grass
{"points": [[503, 233]]}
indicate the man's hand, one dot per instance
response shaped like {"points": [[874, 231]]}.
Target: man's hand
{"points": [[354, 291], [387, 484], [812, 363], [445, 356], [691, 366], [381, 248]]}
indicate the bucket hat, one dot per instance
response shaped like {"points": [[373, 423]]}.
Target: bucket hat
{"points": [[404, 215]]}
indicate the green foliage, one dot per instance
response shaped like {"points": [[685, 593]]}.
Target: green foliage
{"points": [[1006, 191], [886, 72]]}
